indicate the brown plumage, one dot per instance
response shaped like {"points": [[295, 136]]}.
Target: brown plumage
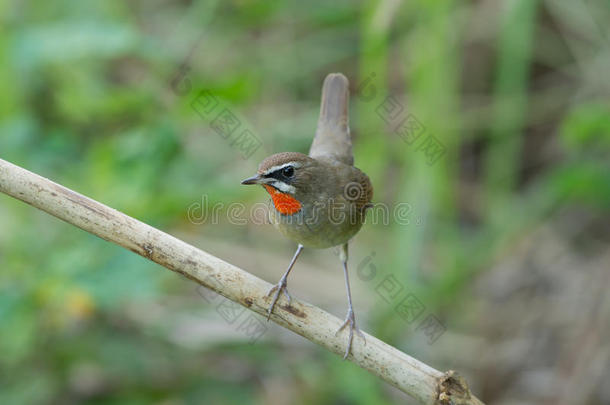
{"points": [[320, 200]]}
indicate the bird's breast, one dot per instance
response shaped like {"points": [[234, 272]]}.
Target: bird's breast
{"points": [[284, 203], [318, 225]]}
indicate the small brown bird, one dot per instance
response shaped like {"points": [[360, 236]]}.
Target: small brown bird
{"points": [[320, 200]]}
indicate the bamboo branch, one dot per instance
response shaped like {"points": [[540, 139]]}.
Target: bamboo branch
{"points": [[422, 382]]}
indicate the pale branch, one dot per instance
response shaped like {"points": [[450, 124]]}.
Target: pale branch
{"points": [[422, 382]]}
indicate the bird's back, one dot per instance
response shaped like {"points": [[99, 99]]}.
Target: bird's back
{"points": [[332, 144]]}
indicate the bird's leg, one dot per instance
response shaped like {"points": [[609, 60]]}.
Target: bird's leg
{"points": [[350, 319], [281, 285]]}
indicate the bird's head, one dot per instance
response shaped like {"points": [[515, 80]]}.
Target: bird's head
{"points": [[287, 177]]}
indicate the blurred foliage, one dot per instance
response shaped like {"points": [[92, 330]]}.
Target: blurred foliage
{"points": [[517, 93]]}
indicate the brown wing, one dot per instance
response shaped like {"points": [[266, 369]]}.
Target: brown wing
{"points": [[332, 136]]}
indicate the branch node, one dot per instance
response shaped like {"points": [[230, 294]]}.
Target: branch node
{"points": [[453, 390]]}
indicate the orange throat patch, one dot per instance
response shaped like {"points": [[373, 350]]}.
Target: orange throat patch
{"points": [[284, 203]]}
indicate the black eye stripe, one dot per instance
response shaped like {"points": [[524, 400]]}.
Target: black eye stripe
{"points": [[282, 174]]}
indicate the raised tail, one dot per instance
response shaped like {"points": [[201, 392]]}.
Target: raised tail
{"points": [[332, 135]]}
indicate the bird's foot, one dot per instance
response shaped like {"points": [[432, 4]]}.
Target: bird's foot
{"points": [[350, 320], [278, 288]]}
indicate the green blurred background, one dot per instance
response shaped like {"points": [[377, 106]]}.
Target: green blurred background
{"points": [[504, 242]]}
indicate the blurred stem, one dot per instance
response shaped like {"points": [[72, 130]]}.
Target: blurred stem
{"points": [[371, 90], [510, 102], [432, 87]]}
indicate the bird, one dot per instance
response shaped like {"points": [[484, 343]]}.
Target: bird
{"points": [[319, 200]]}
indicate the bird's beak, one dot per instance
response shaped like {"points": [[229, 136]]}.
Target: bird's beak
{"points": [[252, 180]]}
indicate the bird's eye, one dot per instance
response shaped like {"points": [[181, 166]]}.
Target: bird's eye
{"points": [[288, 171]]}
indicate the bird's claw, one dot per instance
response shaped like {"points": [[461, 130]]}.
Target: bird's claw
{"points": [[279, 287], [350, 320]]}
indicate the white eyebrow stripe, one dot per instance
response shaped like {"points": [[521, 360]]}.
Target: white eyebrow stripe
{"points": [[283, 187], [278, 167]]}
